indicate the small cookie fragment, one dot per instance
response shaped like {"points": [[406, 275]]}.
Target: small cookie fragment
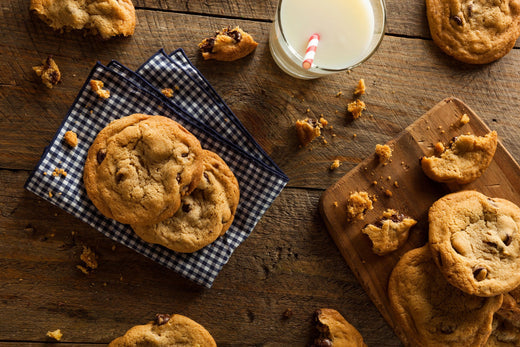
{"points": [[356, 108], [166, 330], [307, 130], [71, 138], [90, 259], [167, 92], [107, 18], [510, 309], [390, 232], [335, 164], [358, 203], [335, 330], [360, 88], [383, 152], [464, 119], [228, 45], [97, 87], [48, 72], [56, 334], [463, 161]]}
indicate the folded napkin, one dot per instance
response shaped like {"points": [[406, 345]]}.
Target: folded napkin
{"points": [[199, 109]]}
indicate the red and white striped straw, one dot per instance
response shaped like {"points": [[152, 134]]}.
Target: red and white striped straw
{"points": [[311, 51]]}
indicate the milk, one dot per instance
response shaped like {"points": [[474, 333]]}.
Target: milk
{"points": [[349, 31]]}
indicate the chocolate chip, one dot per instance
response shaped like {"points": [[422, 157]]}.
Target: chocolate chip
{"points": [[178, 177], [234, 34], [184, 155], [457, 19], [507, 240], [491, 244], [470, 10], [119, 178], [161, 318], [397, 218], [101, 154], [206, 176], [186, 208], [480, 273], [54, 78], [207, 45]]}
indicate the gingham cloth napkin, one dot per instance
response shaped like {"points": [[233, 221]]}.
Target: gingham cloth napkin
{"points": [[199, 109]]}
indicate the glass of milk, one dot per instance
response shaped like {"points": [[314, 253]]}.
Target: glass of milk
{"points": [[350, 32]]}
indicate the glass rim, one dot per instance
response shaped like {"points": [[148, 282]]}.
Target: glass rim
{"points": [[365, 58]]}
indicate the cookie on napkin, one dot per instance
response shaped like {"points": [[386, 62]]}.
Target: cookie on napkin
{"points": [[204, 215], [139, 167]]}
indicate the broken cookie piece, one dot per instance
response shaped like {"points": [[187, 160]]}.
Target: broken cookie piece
{"points": [[107, 18], [48, 72], [358, 203], [463, 160], [227, 45], [383, 152], [307, 130], [390, 232], [356, 108], [97, 87], [56, 334], [71, 138], [335, 330]]}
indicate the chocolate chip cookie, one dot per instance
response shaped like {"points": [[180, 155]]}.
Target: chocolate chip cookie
{"points": [[430, 311], [227, 45], [166, 331], [107, 18], [475, 241], [390, 232], [463, 161], [139, 167], [335, 330], [474, 31], [205, 214]]}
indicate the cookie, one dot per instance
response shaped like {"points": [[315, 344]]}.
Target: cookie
{"points": [[307, 130], [228, 45], [49, 72], [205, 214], [166, 331], [335, 330], [107, 18], [390, 232], [475, 241], [510, 308], [431, 312], [138, 168], [475, 32], [463, 161], [504, 334]]}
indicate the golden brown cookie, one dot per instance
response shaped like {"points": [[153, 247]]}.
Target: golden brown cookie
{"points": [[139, 167], [463, 161], [205, 214], [307, 130], [504, 334], [227, 45], [335, 330], [474, 31], [475, 241], [107, 18], [390, 232], [430, 311], [166, 331]]}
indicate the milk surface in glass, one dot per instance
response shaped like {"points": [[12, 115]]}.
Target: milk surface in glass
{"points": [[346, 29]]}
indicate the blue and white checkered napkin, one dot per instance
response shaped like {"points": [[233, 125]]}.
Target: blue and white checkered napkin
{"points": [[199, 109]]}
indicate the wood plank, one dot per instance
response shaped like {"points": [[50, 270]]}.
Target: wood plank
{"points": [[413, 196], [285, 263], [267, 101]]}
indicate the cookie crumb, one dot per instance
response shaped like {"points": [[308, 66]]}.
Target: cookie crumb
{"points": [[307, 130], [356, 108], [50, 194], [396, 184], [56, 334], [383, 152], [71, 138], [374, 183], [48, 72], [288, 313], [335, 204], [167, 92], [323, 121], [464, 119], [97, 87], [388, 193], [360, 88], [438, 148], [90, 260], [358, 204], [338, 94], [335, 164], [57, 172]]}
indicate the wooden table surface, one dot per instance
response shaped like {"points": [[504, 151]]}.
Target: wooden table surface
{"points": [[289, 261]]}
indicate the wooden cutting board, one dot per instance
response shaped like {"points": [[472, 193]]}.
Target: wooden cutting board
{"points": [[412, 193]]}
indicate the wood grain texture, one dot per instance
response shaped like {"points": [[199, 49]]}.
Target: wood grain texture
{"points": [[275, 269], [413, 195]]}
